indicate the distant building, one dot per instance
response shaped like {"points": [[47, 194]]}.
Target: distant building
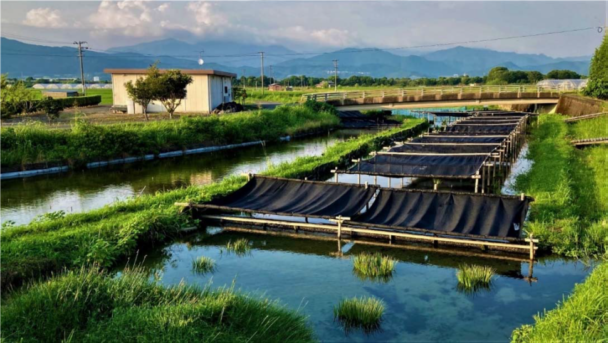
{"points": [[95, 78], [209, 89], [275, 87], [568, 84]]}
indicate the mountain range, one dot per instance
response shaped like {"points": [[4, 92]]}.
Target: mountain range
{"points": [[20, 59]]}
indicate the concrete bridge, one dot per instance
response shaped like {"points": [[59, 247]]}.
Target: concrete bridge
{"points": [[437, 97]]}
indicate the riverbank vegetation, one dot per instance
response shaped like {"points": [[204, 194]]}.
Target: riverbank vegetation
{"points": [[240, 246], [105, 235], [89, 305], [129, 307], [570, 216], [84, 142], [365, 313], [203, 265]]}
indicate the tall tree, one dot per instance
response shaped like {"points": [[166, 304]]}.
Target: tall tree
{"points": [[598, 72], [172, 89], [145, 89]]}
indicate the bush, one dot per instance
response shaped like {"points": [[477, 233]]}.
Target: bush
{"points": [[320, 107], [597, 89], [50, 107]]}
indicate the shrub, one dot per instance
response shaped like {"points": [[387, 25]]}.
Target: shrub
{"points": [[50, 107], [373, 266], [597, 89], [203, 265], [472, 278], [365, 313]]}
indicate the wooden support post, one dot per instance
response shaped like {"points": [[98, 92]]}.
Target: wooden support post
{"points": [[358, 179], [402, 182], [483, 174], [476, 182], [531, 248], [389, 182], [375, 180]]}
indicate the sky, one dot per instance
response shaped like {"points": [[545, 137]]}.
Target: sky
{"points": [[312, 26]]}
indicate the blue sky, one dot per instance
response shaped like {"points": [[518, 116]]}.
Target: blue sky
{"points": [[311, 26]]}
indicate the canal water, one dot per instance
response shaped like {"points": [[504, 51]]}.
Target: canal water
{"points": [[422, 299], [84, 190]]}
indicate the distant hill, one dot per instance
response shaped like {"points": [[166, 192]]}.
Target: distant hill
{"points": [[475, 61], [21, 59], [176, 48]]}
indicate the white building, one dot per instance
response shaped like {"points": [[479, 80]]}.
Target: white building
{"points": [[209, 89], [567, 84]]}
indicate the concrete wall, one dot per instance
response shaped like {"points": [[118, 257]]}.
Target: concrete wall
{"points": [[575, 105], [204, 94]]}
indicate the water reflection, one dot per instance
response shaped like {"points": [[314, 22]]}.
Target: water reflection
{"points": [[83, 190], [422, 299]]}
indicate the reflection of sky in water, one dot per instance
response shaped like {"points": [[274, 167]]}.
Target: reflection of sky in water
{"points": [[78, 191], [422, 300]]}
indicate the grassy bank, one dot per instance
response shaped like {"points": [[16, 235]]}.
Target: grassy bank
{"points": [[105, 235], [88, 305], [570, 215], [83, 142], [106, 95]]}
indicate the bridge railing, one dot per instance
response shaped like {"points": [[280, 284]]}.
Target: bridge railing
{"points": [[422, 91]]}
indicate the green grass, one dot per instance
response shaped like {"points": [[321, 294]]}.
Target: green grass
{"points": [[89, 305], [590, 128], [365, 313], [373, 266], [472, 278], [240, 246], [284, 97], [583, 317], [569, 216], [569, 185], [203, 265], [106, 235], [85, 142]]}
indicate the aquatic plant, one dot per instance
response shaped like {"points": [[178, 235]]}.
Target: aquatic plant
{"points": [[203, 265], [365, 313], [373, 266], [472, 278], [240, 246], [89, 305]]}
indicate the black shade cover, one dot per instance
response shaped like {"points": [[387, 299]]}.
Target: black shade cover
{"points": [[480, 130], [456, 139], [447, 212], [422, 166], [296, 197], [444, 149]]}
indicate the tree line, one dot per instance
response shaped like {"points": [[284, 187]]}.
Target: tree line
{"points": [[496, 76]]}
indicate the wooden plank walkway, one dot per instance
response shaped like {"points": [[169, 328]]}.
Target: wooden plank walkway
{"points": [[586, 116], [589, 141]]}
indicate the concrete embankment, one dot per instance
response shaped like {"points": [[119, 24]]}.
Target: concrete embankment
{"points": [[576, 105]]}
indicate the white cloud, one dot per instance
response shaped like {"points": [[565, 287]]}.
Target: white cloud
{"points": [[44, 17], [202, 12], [130, 18], [162, 7]]}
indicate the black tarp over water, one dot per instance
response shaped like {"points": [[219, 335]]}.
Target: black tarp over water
{"points": [[443, 149], [470, 214], [296, 197], [444, 212], [422, 166], [456, 139]]}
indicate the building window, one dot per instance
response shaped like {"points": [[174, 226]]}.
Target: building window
{"points": [[226, 89]]}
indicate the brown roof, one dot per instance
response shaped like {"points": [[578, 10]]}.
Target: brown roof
{"points": [[184, 71]]}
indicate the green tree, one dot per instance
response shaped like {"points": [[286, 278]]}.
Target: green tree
{"points": [[563, 74], [598, 73], [498, 76], [145, 89], [534, 76], [172, 89]]}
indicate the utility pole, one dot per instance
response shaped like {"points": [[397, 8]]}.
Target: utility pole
{"points": [[79, 43], [262, 69], [336, 76]]}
